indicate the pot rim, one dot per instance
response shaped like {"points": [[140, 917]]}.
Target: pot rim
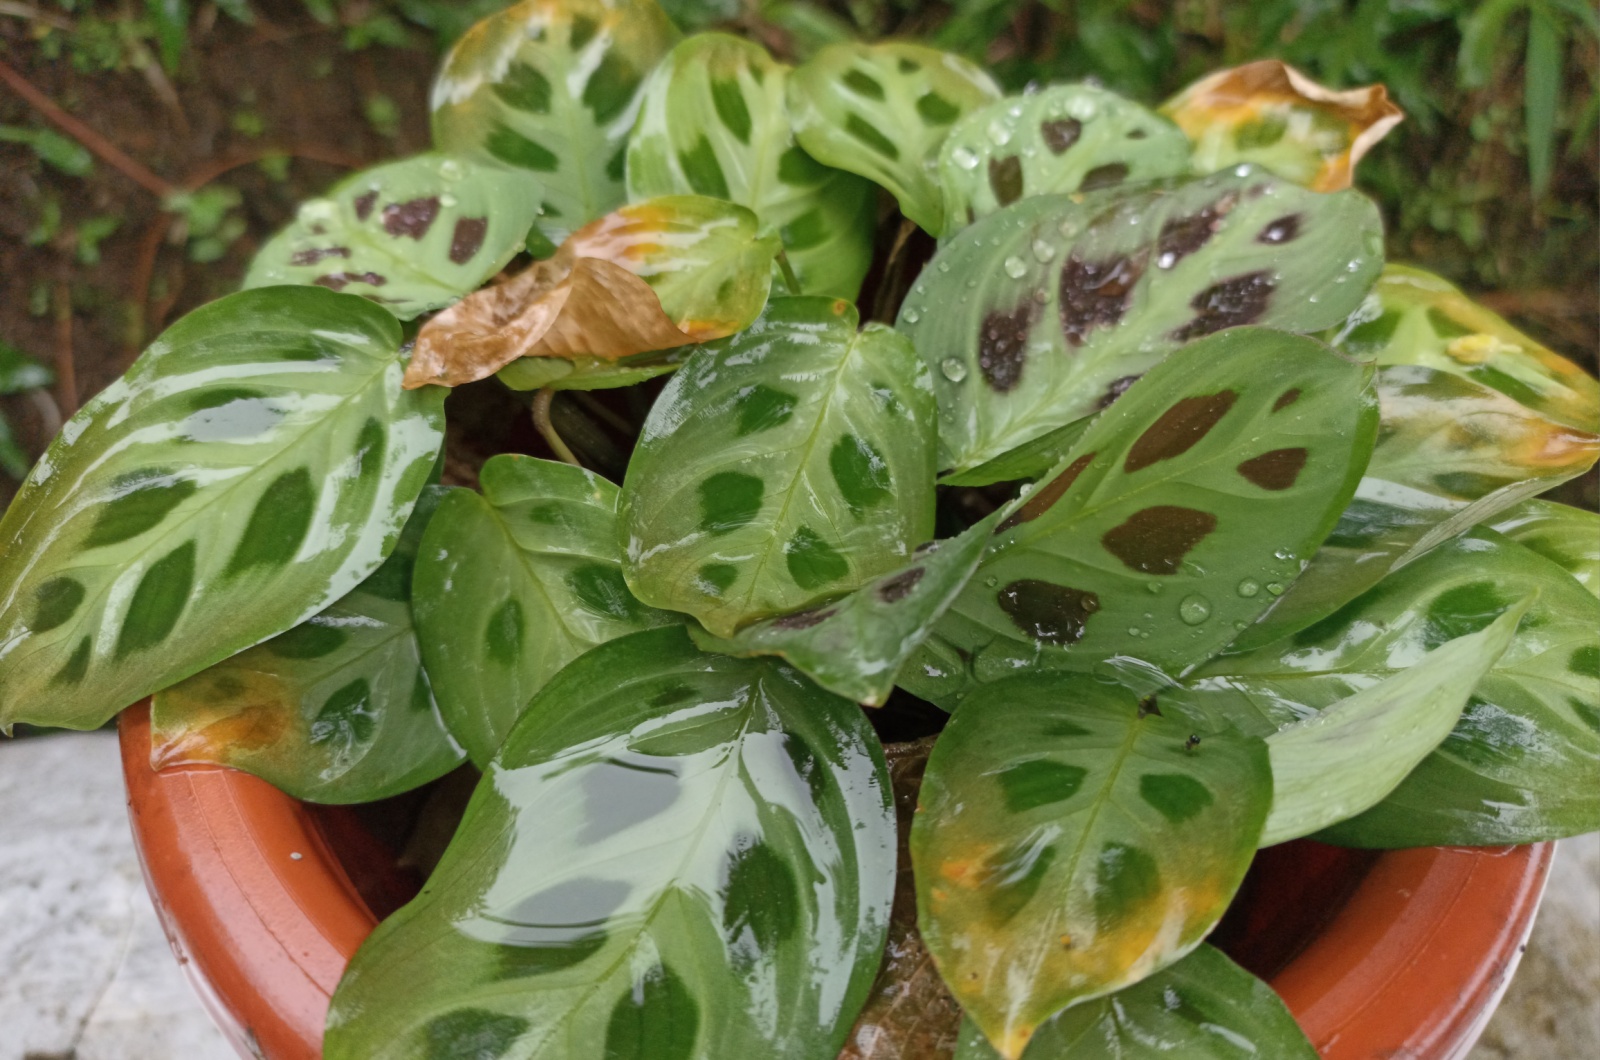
{"points": [[264, 918]]}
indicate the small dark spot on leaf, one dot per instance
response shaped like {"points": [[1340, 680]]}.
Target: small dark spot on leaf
{"points": [[364, 203], [1230, 303], [1096, 293], [1287, 398], [1045, 497], [1003, 344], [411, 218], [1179, 429], [899, 587], [316, 254], [1155, 540], [1005, 178], [863, 84], [1117, 388], [1137, 134], [1276, 469], [1105, 176], [467, 239], [1045, 611], [1060, 134], [813, 616], [1182, 236], [338, 281], [1283, 230], [936, 110]]}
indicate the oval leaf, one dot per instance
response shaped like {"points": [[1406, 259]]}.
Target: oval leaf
{"points": [[791, 463], [253, 466], [411, 235], [1569, 536], [883, 110], [674, 855], [1070, 841], [1046, 311], [513, 585]]}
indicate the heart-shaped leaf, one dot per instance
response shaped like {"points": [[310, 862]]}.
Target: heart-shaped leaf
{"points": [[856, 645], [652, 276], [513, 585], [337, 709], [1071, 840], [1066, 138], [1519, 766], [1569, 536], [1415, 317], [786, 465], [1271, 114], [1172, 521], [254, 465], [412, 235], [1205, 1007], [553, 86], [716, 122], [1045, 311], [674, 855], [883, 110]]}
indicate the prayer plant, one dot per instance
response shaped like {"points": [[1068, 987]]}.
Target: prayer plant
{"points": [[1206, 528]]}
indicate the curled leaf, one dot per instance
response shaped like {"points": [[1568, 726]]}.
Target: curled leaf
{"points": [[1269, 112]]}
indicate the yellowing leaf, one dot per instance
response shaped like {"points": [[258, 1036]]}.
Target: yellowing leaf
{"points": [[1271, 113]]}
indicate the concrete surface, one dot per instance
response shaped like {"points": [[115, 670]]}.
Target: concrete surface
{"points": [[85, 973]]}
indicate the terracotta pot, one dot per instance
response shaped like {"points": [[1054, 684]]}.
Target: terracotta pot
{"points": [[1401, 954]]}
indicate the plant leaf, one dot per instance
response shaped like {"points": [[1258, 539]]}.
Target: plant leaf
{"points": [[336, 710], [253, 466], [716, 122], [674, 855], [19, 372], [1204, 1007], [856, 645], [882, 110], [589, 373], [1028, 461], [1070, 841], [784, 466], [1542, 69], [1269, 113], [1569, 536], [411, 235], [647, 277], [1170, 523], [513, 585], [552, 86], [1083, 294], [1062, 139], [1518, 766]]}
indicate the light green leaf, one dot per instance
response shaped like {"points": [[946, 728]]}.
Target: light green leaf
{"points": [[337, 709], [1205, 1007], [19, 372], [13, 461], [552, 86], [1066, 138], [883, 110], [780, 467], [675, 855], [1041, 313], [1070, 841], [412, 235], [513, 585], [715, 122], [1569, 536], [1171, 523], [1543, 69], [589, 373], [1028, 461], [856, 645], [253, 466]]}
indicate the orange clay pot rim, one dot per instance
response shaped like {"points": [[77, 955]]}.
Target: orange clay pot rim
{"points": [[265, 919]]}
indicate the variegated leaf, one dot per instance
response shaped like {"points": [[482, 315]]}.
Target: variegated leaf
{"points": [[412, 235], [1171, 523], [1569, 536], [253, 466], [513, 585], [883, 110], [1070, 841], [1045, 311], [674, 855], [1066, 138], [552, 86], [716, 122], [786, 465], [337, 709]]}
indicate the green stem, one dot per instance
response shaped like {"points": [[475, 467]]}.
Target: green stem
{"points": [[547, 430], [789, 278]]}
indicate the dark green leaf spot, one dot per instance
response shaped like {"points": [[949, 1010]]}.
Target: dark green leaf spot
{"points": [[729, 500], [1013, 878], [703, 171], [860, 472], [1030, 785], [1462, 610], [602, 590], [278, 525], [515, 149], [521, 962], [55, 602], [1005, 179], [611, 87], [140, 501], [1175, 796], [867, 133], [713, 579], [503, 637], [347, 720], [583, 30], [471, 1034], [800, 169], [656, 1020], [936, 110], [863, 84], [1126, 877], [812, 562], [728, 99], [77, 666], [309, 640], [762, 898], [524, 88], [762, 407], [158, 601], [1585, 662]]}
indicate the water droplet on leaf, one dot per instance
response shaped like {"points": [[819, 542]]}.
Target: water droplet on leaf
{"points": [[1194, 610], [1249, 587], [1016, 268], [953, 369]]}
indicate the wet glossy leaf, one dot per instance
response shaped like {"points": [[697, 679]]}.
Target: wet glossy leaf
{"points": [[1519, 766], [781, 467], [412, 235], [1083, 294], [337, 709], [716, 122], [855, 645], [253, 466], [513, 585], [552, 86], [1569, 536], [1062, 139], [883, 110], [1415, 317], [1271, 114], [1171, 523], [1205, 1007], [674, 855], [1071, 841], [648, 277], [1028, 461]]}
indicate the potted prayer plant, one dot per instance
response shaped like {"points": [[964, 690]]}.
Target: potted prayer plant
{"points": [[1082, 463]]}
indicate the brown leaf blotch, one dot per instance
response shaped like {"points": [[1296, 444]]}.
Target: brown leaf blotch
{"points": [[1284, 230], [1234, 301], [1287, 398], [1182, 236], [467, 239], [1117, 388], [1045, 497], [899, 587], [1155, 540], [1276, 469], [364, 203], [1096, 293], [1106, 176], [814, 616], [1179, 429], [1003, 345], [1061, 134], [411, 218], [338, 281], [1005, 178], [1047, 612], [315, 254]]}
